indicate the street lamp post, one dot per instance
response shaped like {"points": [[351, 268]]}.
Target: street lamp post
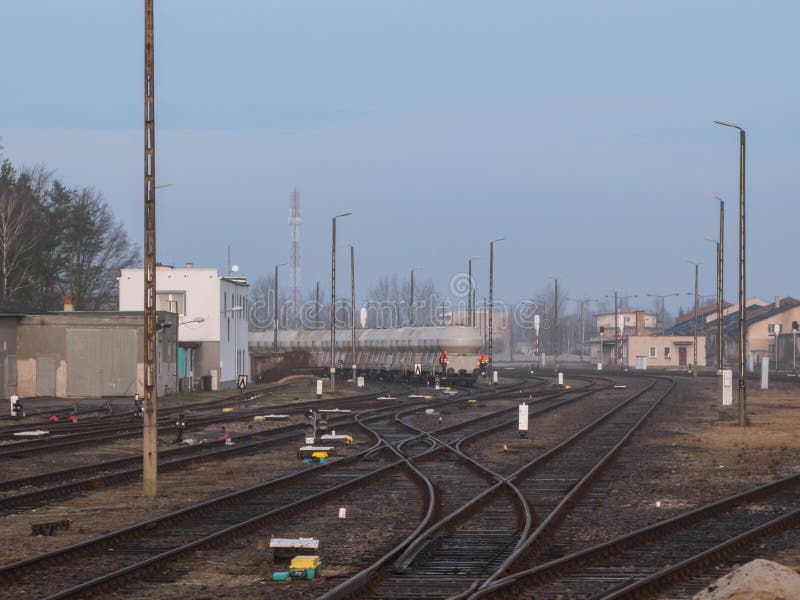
{"points": [[582, 304], [661, 311], [555, 346], [719, 302], [275, 311], [353, 308], [333, 299], [696, 309], [470, 298], [411, 311], [491, 300], [742, 275], [721, 277]]}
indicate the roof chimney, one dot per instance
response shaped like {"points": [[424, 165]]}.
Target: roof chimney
{"points": [[189, 265], [68, 306], [777, 301]]}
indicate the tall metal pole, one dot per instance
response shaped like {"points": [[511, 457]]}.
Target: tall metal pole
{"points": [[491, 301], [616, 332], [742, 278], [485, 326], [333, 309], [474, 294], [150, 408], [583, 328], [353, 307], [720, 281], [469, 297], [491, 304], [333, 300], [316, 308], [720, 300], [696, 310], [275, 311], [411, 302], [555, 345]]}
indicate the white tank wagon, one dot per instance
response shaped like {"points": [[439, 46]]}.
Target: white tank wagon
{"points": [[396, 349]]}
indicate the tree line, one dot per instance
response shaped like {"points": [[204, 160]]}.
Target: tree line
{"points": [[58, 241]]}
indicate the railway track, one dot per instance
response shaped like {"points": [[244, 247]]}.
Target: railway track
{"points": [[691, 547], [106, 562], [275, 499], [487, 529], [438, 560], [30, 491]]}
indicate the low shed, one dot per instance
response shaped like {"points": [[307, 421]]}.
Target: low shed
{"points": [[91, 354]]}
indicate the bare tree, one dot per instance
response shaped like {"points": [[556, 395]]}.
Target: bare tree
{"points": [[15, 246], [95, 248]]}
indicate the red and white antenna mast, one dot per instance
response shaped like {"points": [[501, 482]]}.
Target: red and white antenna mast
{"points": [[295, 220]]}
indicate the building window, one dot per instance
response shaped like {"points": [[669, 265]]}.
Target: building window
{"points": [[653, 352], [771, 328], [667, 352], [771, 349], [229, 328]]}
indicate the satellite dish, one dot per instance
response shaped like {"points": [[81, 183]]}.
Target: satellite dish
{"points": [[235, 268]]}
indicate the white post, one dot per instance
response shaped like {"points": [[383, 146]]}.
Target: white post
{"points": [[523, 420], [765, 373], [727, 387]]}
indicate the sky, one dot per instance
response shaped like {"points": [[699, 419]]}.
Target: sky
{"points": [[581, 131]]}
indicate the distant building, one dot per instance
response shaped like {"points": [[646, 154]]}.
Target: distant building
{"points": [[664, 351], [761, 319], [630, 322], [633, 321], [212, 315]]}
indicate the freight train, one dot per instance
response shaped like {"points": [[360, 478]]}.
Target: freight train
{"points": [[395, 354]]}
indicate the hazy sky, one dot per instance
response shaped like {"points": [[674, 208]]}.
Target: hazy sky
{"points": [[582, 131]]}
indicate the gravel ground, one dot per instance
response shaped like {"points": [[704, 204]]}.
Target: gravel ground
{"points": [[691, 452]]}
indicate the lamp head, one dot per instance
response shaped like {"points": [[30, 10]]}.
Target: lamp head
{"points": [[728, 124]]}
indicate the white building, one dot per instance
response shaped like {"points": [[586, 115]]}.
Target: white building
{"points": [[212, 321]]}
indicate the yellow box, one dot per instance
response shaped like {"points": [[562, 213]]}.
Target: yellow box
{"points": [[319, 455], [227, 410], [305, 562]]}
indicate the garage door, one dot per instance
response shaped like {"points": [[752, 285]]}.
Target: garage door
{"points": [[46, 376], [101, 362]]}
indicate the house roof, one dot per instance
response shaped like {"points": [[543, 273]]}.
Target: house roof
{"points": [[9, 308], [730, 323], [702, 311]]}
